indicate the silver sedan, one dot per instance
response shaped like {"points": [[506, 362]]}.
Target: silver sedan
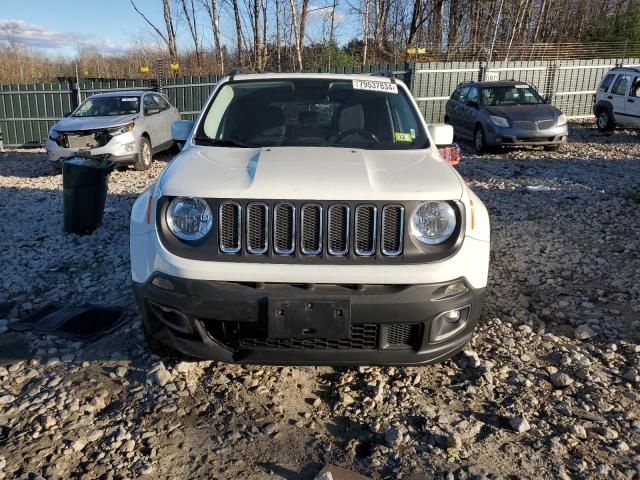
{"points": [[125, 127]]}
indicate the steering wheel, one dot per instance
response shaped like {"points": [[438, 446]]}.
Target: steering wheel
{"points": [[357, 131]]}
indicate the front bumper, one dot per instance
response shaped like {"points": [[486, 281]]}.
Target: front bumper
{"points": [[229, 321], [513, 136], [120, 149]]}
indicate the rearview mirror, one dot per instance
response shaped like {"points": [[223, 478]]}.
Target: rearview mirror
{"points": [[441, 134], [181, 129]]}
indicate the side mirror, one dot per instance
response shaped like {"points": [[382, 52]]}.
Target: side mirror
{"points": [[547, 100], [181, 129], [151, 111], [441, 134]]}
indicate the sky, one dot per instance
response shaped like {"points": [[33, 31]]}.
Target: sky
{"points": [[60, 27]]}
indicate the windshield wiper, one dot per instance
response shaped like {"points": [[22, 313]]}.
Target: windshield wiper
{"points": [[220, 142]]}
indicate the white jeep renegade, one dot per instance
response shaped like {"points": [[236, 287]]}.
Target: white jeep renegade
{"points": [[310, 219]]}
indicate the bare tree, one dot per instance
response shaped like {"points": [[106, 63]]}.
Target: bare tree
{"points": [[169, 37], [213, 10], [296, 32], [189, 11]]}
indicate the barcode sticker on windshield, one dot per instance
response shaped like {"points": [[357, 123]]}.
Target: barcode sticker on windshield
{"points": [[375, 85], [128, 99]]}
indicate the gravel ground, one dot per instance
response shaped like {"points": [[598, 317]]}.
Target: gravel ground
{"points": [[548, 388]]}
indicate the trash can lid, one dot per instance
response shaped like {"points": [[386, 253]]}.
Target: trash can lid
{"points": [[91, 162]]}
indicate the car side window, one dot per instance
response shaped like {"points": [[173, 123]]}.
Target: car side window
{"points": [[474, 95], [635, 89], [460, 95], [606, 83], [622, 84], [161, 101]]}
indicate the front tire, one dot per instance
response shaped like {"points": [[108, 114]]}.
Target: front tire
{"points": [[604, 122], [479, 141], [145, 156]]}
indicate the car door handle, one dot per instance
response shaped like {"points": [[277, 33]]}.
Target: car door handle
{"points": [[609, 97], [630, 100]]}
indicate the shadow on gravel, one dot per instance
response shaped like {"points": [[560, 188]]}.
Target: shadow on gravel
{"points": [[309, 471]]}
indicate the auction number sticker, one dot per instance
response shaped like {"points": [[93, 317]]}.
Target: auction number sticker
{"points": [[374, 85], [129, 99]]}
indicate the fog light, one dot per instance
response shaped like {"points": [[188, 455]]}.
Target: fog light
{"points": [[162, 283], [129, 147], [453, 316]]}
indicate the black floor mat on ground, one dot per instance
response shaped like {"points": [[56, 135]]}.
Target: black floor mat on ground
{"points": [[83, 323]]}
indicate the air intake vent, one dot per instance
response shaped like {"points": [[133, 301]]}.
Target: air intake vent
{"points": [[284, 221], [311, 229], [338, 230], [257, 228], [229, 227], [392, 229], [365, 230]]}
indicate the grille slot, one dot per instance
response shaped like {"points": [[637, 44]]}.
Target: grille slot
{"points": [[257, 228], [311, 229], [365, 225], [338, 230], [544, 124], [229, 227], [403, 334], [392, 230], [525, 124], [284, 229], [362, 337]]}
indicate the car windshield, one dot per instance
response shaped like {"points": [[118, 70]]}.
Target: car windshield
{"points": [[358, 113], [510, 95], [108, 106]]}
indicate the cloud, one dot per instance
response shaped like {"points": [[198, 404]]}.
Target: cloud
{"points": [[37, 36]]}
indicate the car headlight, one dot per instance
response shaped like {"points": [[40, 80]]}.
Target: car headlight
{"points": [[189, 218], [562, 120], [54, 134], [433, 222], [499, 121], [121, 129]]}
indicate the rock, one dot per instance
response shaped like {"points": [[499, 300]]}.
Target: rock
{"points": [[454, 440], [78, 445], [560, 379], [121, 371], [393, 437], [519, 424], [346, 399], [269, 428], [631, 375], [6, 398], [47, 421], [161, 377], [578, 431], [583, 332]]}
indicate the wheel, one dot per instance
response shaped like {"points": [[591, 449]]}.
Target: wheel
{"points": [[143, 162], [604, 122], [552, 148], [479, 141], [56, 169]]}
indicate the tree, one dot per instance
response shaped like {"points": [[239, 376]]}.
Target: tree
{"points": [[211, 6], [169, 37]]}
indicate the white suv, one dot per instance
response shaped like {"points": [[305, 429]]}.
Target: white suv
{"points": [[617, 100], [310, 219]]}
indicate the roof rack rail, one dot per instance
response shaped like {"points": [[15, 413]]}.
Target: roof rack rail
{"points": [[384, 73], [232, 73]]}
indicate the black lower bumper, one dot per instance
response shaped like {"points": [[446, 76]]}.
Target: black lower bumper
{"points": [[233, 322]]}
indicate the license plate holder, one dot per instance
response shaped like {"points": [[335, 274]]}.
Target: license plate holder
{"points": [[325, 318]]}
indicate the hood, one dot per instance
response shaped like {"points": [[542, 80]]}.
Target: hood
{"points": [[524, 112], [73, 124], [310, 173]]}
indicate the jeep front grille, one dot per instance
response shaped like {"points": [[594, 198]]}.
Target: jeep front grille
{"points": [[311, 229]]}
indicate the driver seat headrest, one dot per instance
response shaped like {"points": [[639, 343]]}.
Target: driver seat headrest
{"points": [[351, 117]]}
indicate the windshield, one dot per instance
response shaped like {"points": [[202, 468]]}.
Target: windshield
{"points": [[510, 95], [108, 106], [369, 114]]}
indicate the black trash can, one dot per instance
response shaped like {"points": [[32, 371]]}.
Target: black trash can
{"points": [[84, 191]]}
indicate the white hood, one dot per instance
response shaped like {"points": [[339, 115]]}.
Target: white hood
{"points": [[310, 173]]}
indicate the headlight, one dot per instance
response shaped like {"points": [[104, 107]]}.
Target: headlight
{"points": [[562, 120], [433, 222], [54, 134], [499, 121], [122, 129], [189, 218]]}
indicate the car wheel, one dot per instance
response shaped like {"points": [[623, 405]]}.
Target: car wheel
{"points": [[604, 122], [145, 156], [479, 141]]}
